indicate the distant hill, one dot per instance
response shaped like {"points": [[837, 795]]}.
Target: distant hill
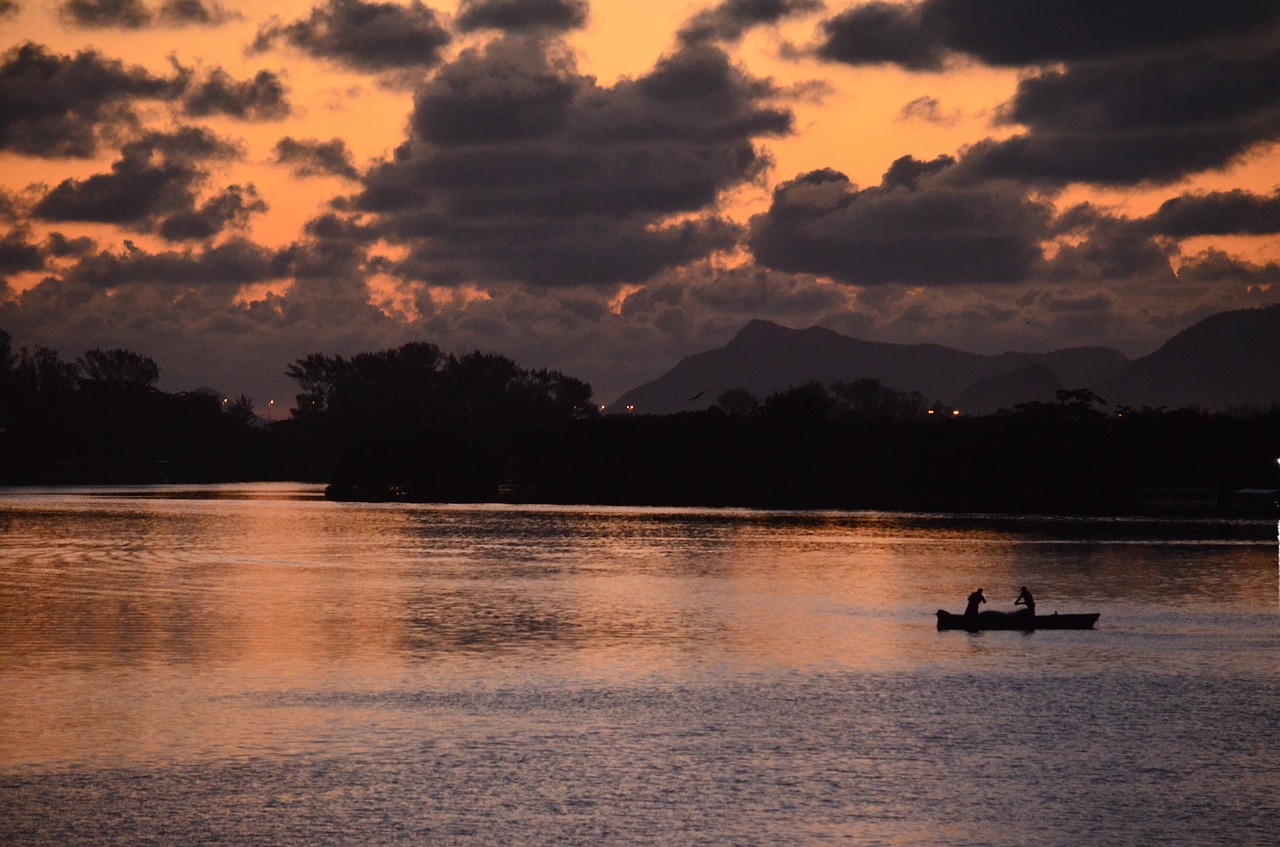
{"points": [[1228, 359], [1034, 383], [764, 358]]}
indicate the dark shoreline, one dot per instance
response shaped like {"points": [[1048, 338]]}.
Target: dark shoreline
{"points": [[1169, 464]]}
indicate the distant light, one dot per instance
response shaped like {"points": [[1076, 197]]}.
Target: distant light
{"points": [[931, 412], [630, 408], [955, 411]]}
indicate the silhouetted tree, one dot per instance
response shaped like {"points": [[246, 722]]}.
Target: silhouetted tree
{"points": [[241, 410], [118, 367], [810, 403], [41, 373], [867, 399], [416, 385], [316, 375], [6, 355], [738, 401]]}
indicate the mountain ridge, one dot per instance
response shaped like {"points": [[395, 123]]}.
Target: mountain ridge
{"points": [[1230, 358]]}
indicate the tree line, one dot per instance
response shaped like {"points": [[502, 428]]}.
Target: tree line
{"points": [[417, 423], [99, 418]]}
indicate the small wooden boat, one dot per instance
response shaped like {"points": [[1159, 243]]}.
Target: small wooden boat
{"points": [[1014, 620]]}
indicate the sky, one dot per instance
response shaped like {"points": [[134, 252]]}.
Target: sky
{"points": [[606, 187]]}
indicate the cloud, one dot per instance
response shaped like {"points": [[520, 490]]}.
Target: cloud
{"points": [[1235, 212], [882, 33], [519, 168], [12, 207], [228, 209], [308, 157], [9, 7], [1216, 268], [373, 37], [54, 105], [1100, 247], [262, 98], [1150, 91], [1148, 119], [17, 253], [917, 227], [155, 177], [731, 19], [522, 15], [195, 13], [134, 14], [924, 36], [927, 109], [106, 14], [60, 246], [225, 266]]}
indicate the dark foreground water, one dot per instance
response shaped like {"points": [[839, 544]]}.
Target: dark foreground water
{"points": [[252, 665]]}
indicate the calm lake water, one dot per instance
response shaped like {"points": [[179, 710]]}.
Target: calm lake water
{"points": [[254, 665]]}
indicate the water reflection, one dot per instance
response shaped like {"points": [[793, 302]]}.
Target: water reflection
{"points": [[271, 575], [645, 667]]}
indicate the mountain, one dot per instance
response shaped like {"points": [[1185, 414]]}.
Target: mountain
{"points": [[764, 358], [1228, 359], [1034, 383]]}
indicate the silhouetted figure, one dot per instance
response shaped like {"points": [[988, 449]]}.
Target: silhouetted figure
{"points": [[975, 599], [1025, 599]]}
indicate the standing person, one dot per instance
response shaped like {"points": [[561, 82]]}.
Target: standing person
{"points": [[975, 600], [1025, 599]]}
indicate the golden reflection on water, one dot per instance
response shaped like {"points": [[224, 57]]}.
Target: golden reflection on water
{"points": [[162, 624]]}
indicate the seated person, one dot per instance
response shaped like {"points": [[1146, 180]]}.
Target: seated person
{"points": [[1025, 599]]}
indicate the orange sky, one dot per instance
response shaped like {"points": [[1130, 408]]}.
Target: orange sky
{"points": [[845, 117]]}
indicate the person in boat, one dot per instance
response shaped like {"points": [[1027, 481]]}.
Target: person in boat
{"points": [[1025, 599], [975, 600]]}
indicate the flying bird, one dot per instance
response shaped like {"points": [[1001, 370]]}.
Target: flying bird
{"points": [[696, 396]]}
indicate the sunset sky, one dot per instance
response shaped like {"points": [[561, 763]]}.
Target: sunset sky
{"points": [[605, 187]]}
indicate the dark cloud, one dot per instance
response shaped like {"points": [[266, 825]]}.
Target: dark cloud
{"points": [[1104, 248], [521, 15], [17, 253], [366, 36], [60, 246], [731, 19], [228, 209], [1214, 267], [194, 12], [9, 7], [882, 33], [230, 265], [1127, 93], [519, 168], [54, 105], [308, 157], [1234, 212], [106, 14], [262, 98], [1013, 33], [1141, 120], [916, 228], [12, 207], [156, 176], [927, 109]]}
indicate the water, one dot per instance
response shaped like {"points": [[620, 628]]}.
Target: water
{"points": [[253, 665]]}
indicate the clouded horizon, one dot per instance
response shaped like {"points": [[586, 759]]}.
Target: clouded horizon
{"points": [[606, 187]]}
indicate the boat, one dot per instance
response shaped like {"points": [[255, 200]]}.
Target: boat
{"points": [[1022, 620]]}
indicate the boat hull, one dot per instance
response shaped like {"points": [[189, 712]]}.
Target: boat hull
{"points": [[1014, 620]]}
